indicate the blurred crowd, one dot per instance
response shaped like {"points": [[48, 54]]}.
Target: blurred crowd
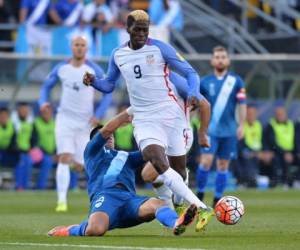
{"points": [[101, 15], [269, 154], [256, 23]]}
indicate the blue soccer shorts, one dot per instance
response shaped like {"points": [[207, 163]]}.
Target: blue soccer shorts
{"points": [[223, 148], [122, 207]]}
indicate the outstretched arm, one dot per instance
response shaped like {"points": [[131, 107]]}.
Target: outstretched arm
{"points": [[104, 84]]}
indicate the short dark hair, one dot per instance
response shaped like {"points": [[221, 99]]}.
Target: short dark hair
{"points": [[219, 48], [22, 103], [4, 109], [95, 130]]}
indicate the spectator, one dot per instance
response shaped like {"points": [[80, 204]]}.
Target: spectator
{"points": [[44, 141], [23, 127], [66, 12], [34, 12], [279, 140], [297, 153], [6, 16], [166, 13], [249, 150], [99, 14], [118, 6], [7, 137]]}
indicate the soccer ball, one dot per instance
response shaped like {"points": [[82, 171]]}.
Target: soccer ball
{"points": [[229, 210]]}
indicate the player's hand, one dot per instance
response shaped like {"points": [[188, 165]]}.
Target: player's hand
{"points": [[240, 132], [203, 140], [193, 102], [88, 78], [45, 106], [94, 122]]}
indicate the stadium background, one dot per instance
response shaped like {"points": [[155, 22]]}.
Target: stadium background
{"points": [[263, 38]]}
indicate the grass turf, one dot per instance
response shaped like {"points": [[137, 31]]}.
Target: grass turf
{"points": [[271, 222]]}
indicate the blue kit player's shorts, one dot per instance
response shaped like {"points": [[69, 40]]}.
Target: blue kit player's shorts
{"points": [[121, 206], [222, 147]]}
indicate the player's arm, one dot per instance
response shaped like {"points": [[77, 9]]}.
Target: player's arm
{"points": [[242, 108], [106, 99], [104, 84], [106, 131], [177, 62], [48, 84]]}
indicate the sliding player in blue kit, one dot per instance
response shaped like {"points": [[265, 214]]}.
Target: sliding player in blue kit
{"points": [[111, 189]]}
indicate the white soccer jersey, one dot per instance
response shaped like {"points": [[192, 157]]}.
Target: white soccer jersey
{"points": [[77, 100], [146, 72]]}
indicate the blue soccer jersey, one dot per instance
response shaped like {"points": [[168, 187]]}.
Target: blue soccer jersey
{"points": [[223, 94], [106, 167]]}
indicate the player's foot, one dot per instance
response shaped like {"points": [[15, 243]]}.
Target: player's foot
{"points": [[185, 219], [204, 216], [61, 231], [61, 207], [180, 209]]}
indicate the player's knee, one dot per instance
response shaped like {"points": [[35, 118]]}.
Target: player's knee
{"points": [[206, 162], [95, 230], [223, 165], [149, 174]]}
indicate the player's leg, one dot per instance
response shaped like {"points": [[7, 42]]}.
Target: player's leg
{"points": [[63, 180], [45, 167], [141, 209], [156, 155], [206, 161], [226, 150], [97, 225]]}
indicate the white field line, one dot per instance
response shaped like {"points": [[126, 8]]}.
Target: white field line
{"points": [[90, 246]]}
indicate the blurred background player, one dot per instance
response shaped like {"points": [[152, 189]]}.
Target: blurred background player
{"points": [[111, 189], [160, 122], [250, 150], [23, 126], [75, 113], [224, 90], [43, 139], [279, 144], [7, 136]]}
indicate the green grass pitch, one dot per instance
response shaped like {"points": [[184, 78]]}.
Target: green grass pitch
{"points": [[271, 221]]}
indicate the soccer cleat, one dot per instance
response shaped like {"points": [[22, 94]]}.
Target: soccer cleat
{"points": [[61, 207], [60, 231], [185, 219], [204, 216], [180, 209]]}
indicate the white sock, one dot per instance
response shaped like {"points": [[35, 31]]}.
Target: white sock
{"points": [[175, 182], [164, 193], [62, 181], [178, 200]]}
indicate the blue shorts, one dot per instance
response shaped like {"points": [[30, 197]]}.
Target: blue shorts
{"points": [[122, 207], [223, 148]]}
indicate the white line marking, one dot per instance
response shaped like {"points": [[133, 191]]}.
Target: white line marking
{"points": [[92, 246]]}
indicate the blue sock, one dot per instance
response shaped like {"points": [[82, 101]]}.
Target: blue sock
{"points": [[45, 167], [201, 178], [221, 182], [166, 216], [78, 230], [18, 175], [27, 171], [73, 180]]}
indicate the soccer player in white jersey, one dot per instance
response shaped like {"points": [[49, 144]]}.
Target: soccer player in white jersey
{"points": [[159, 117], [75, 113]]}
